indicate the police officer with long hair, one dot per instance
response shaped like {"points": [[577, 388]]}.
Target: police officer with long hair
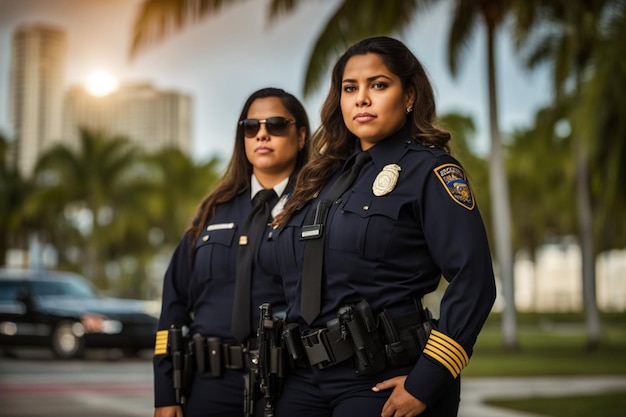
{"points": [[196, 322], [356, 259]]}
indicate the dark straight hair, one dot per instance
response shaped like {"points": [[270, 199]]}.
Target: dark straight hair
{"points": [[236, 179]]}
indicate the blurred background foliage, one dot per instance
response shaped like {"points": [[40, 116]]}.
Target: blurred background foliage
{"points": [[107, 208], [110, 209]]}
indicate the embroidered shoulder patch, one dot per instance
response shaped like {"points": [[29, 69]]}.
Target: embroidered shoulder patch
{"points": [[455, 182]]}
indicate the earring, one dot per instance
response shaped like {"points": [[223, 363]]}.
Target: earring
{"points": [[409, 109]]}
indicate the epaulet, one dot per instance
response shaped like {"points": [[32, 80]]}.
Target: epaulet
{"points": [[415, 145]]}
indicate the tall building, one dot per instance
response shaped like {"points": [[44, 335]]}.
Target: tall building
{"points": [[36, 91], [42, 115], [150, 118]]}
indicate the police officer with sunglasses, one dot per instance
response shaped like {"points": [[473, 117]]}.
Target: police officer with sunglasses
{"points": [[213, 285]]}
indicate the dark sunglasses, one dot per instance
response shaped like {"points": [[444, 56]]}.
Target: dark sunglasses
{"points": [[276, 126]]}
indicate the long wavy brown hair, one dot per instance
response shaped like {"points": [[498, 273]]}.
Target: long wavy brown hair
{"points": [[333, 142], [236, 179]]}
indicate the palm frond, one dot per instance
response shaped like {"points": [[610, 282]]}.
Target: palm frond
{"points": [[353, 21], [158, 19], [464, 22], [279, 8]]}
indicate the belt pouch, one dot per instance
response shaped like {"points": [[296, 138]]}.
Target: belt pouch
{"points": [[199, 343], [337, 341], [234, 356], [315, 348], [277, 364], [395, 350], [421, 332], [215, 356], [293, 343]]}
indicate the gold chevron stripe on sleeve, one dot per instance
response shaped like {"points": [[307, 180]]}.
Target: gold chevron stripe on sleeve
{"points": [[446, 351], [453, 343], [444, 355], [442, 360], [160, 345]]}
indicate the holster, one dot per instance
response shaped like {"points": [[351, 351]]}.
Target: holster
{"points": [[406, 336], [361, 328]]}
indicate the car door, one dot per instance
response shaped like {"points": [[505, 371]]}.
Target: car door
{"points": [[20, 323]]}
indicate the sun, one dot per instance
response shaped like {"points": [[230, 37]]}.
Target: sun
{"points": [[100, 83]]}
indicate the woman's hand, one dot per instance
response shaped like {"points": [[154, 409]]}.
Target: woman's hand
{"points": [[400, 403], [169, 411]]}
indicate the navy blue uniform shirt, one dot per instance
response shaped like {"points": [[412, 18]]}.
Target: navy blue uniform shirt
{"points": [[200, 295], [391, 247]]}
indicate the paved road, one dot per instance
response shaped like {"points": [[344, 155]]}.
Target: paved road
{"points": [[101, 386], [104, 386]]}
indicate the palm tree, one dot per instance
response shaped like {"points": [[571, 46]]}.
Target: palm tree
{"points": [[541, 198], [174, 185], [570, 46], [606, 131], [92, 193], [13, 191], [157, 19], [180, 184], [467, 16], [353, 20]]}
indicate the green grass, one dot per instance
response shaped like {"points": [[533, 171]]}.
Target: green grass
{"points": [[551, 345]]}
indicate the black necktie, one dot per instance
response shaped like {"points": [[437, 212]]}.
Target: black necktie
{"points": [[310, 297], [253, 229]]}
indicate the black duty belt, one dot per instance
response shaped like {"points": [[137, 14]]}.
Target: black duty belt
{"points": [[213, 356], [391, 341]]}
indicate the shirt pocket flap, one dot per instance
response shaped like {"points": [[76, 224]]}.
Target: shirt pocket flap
{"points": [[367, 205], [217, 235]]}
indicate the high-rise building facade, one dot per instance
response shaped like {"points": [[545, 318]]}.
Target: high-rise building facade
{"points": [[36, 91], [150, 118], [42, 113]]}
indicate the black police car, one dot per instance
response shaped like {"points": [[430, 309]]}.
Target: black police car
{"points": [[62, 311]]}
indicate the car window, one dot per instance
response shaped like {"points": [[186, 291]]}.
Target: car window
{"points": [[9, 304], [8, 291], [61, 288]]}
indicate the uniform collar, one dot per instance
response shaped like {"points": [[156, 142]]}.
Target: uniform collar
{"points": [[388, 150], [255, 186]]}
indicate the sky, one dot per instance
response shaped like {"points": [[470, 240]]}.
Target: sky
{"points": [[220, 61]]}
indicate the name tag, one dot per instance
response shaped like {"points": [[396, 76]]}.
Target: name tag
{"points": [[220, 226], [312, 231]]}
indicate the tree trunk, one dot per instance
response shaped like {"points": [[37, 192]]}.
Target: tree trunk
{"points": [[585, 223], [500, 205], [4, 246]]}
